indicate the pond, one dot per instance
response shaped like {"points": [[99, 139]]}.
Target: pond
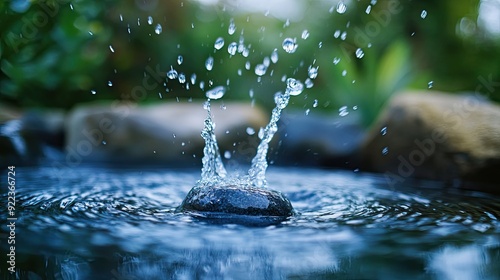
{"points": [[110, 223]]}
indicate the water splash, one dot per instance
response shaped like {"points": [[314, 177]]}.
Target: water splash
{"points": [[212, 169], [259, 163]]}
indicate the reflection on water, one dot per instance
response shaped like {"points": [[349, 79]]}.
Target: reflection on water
{"points": [[120, 224]]}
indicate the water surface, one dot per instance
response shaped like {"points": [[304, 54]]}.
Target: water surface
{"points": [[102, 223]]}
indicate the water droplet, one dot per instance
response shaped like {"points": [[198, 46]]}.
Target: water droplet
{"points": [[336, 34], [209, 63], [307, 112], [104, 142], [315, 103], [266, 61], [239, 72], [260, 69], [183, 144], [343, 36], [423, 14], [227, 154], [193, 78], [182, 78], [355, 107], [110, 84], [359, 53], [287, 23], [158, 29], [232, 48], [202, 85], [373, 2], [93, 92], [336, 60], [172, 74], [274, 56], [121, 17], [245, 52], [250, 131], [341, 7], [219, 43], [368, 9], [305, 34], [180, 59], [369, 45], [430, 84], [289, 45], [216, 92], [312, 72], [309, 83], [150, 20], [138, 22], [111, 49], [231, 28], [343, 111], [90, 33], [344, 73], [247, 65], [383, 131], [385, 151], [294, 87], [71, 6]]}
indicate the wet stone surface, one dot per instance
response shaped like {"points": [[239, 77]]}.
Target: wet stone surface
{"points": [[237, 204]]}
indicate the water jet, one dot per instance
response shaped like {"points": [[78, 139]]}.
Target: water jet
{"points": [[246, 199]]}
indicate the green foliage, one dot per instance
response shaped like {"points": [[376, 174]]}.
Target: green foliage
{"points": [[55, 54]]}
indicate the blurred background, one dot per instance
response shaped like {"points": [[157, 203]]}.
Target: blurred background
{"points": [[56, 54]]}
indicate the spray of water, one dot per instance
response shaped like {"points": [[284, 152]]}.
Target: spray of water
{"points": [[213, 168]]}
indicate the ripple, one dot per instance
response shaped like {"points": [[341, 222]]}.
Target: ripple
{"points": [[341, 216]]}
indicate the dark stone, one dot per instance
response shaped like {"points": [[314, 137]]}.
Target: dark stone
{"points": [[237, 204]]}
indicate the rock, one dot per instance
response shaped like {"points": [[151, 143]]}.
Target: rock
{"points": [[237, 204], [30, 136], [319, 140], [433, 135], [166, 133]]}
